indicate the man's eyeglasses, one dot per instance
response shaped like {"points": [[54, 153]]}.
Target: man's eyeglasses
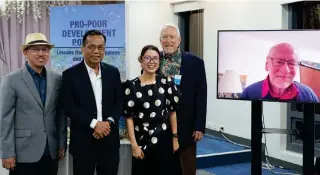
{"points": [[168, 37], [37, 50], [280, 62], [148, 59], [93, 48]]}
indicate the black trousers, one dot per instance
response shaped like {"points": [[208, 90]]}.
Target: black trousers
{"points": [[103, 160], [158, 160], [186, 159], [45, 166]]}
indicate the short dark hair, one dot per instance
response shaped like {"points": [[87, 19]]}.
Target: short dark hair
{"points": [[92, 32], [146, 48]]}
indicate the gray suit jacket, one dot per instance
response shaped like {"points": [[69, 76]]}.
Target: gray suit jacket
{"points": [[25, 123]]}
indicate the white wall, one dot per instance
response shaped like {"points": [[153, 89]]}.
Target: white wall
{"points": [[243, 54], [1, 3], [144, 20], [235, 115]]}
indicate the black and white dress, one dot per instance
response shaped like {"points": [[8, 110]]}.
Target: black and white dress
{"points": [[149, 105]]}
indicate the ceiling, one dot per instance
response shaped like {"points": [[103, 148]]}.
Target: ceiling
{"points": [[299, 39]]}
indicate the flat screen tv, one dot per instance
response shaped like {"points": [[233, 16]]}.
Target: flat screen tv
{"points": [[269, 65]]}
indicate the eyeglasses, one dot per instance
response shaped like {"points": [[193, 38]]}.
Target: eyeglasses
{"points": [[148, 59], [280, 62], [37, 50], [93, 48], [168, 37]]}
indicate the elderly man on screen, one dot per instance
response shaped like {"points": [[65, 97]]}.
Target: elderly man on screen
{"points": [[282, 64]]}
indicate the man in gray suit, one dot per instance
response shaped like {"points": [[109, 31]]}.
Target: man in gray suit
{"points": [[33, 135]]}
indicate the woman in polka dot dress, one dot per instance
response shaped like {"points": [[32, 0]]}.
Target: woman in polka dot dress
{"points": [[150, 105]]}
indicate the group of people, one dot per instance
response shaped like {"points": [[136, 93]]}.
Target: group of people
{"points": [[164, 107]]}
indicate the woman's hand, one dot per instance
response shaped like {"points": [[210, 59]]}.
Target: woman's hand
{"points": [[137, 152], [175, 144]]}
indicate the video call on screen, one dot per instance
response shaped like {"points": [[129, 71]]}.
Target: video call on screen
{"points": [[278, 65]]}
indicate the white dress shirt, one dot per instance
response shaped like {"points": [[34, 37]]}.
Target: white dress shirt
{"points": [[96, 83]]}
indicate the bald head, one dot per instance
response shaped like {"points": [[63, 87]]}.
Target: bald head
{"points": [[283, 50], [281, 63]]}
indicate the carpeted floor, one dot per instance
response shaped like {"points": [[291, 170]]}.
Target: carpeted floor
{"points": [[214, 145], [211, 144], [203, 172], [242, 169]]}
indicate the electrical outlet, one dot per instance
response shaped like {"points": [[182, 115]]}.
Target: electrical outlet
{"points": [[221, 129]]}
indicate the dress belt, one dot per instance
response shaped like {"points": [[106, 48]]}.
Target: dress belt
{"points": [[151, 133]]}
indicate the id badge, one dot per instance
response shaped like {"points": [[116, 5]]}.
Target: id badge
{"points": [[177, 79]]}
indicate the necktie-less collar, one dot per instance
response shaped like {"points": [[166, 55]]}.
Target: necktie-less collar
{"points": [[171, 56], [168, 56]]}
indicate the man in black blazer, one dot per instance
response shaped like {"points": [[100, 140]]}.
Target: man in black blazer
{"points": [[93, 100], [189, 75]]}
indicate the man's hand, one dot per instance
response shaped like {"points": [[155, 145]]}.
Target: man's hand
{"points": [[197, 135], [61, 153], [101, 129], [9, 163]]}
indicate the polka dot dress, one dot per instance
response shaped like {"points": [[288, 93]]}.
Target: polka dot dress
{"points": [[149, 105]]}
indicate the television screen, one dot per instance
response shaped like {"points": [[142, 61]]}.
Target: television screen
{"points": [[269, 65]]}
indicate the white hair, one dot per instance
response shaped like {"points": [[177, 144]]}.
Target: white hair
{"points": [[170, 25]]}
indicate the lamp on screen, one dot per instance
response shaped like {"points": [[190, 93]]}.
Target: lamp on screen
{"points": [[230, 84], [250, 80]]}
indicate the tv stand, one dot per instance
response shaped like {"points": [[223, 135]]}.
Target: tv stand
{"points": [[256, 137], [308, 139]]}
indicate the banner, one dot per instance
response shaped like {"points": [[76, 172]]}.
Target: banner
{"points": [[68, 24]]}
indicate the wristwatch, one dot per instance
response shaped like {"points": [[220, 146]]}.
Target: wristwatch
{"points": [[175, 135], [110, 120]]}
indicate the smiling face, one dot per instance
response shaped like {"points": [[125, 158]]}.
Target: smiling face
{"points": [[282, 64], [37, 56], [170, 40], [150, 61], [93, 50]]}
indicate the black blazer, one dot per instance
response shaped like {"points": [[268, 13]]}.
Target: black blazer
{"points": [[191, 114], [80, 106]]}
